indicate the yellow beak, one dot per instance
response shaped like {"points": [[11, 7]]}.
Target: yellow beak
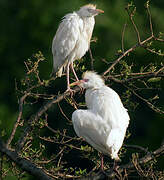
{"points": [[76, 83], [99, 11]]}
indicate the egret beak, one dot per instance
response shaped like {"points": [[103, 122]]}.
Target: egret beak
{"points": [[99, 10], [76, 83]]}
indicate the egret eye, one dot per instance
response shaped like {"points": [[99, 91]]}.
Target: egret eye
{"points": [[86, 80], [90, 10]]}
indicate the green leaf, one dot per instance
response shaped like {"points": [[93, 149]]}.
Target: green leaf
{"points": [[154, 79]]}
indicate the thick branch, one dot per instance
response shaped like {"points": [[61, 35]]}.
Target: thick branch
{"points": [[24, 164], [111, 173]]}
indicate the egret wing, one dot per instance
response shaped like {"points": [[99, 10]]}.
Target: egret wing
{"points": [[92, 128], [65, 40], [108, 104]]}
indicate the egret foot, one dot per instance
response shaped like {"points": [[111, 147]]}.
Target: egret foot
{"points": [[71, 91], [116, 166], [81, 90]]}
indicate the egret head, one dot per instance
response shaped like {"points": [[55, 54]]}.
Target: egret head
{"points": [[89, 10], [90, 80]]}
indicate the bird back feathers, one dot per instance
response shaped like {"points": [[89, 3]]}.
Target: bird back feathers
{"points": [[90, 5]]}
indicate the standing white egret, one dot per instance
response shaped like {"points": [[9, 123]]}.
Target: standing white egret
{"points": [[72, 39], [103, 125]]}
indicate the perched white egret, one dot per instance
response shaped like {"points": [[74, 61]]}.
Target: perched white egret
{"points": [[103, 125], [72, 39]]}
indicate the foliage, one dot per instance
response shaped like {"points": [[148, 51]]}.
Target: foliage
{"points": [[42, 133]]}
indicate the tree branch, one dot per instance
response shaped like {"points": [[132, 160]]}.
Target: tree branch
{"points": [[24, 164], [126, 53], [34, 118], [18, 119], [112, 173], [149, 75]]}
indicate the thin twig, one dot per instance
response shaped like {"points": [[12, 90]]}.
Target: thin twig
{"points": [[21, 102], [126, 53], [61, 143], [150, 75], [61, 134], [153, 51], [1, 166], [34, 118], [61, 110], [157, 72], [131, 14], [150, 18], [154, 108], [122, 37], [128, 167], [92, 60], [24, 164], [158, 39], [136, 147]]}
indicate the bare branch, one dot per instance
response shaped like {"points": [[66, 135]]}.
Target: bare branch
{"points": [[126, 53], [112, 173], [157, 72], [131, 14], [148, 75], [34, 118], [61, 110], [24, 164], [122, 38], [150, 18], [65, 142], [136, 147], [92, 59], [18, 119], [154, 108]]}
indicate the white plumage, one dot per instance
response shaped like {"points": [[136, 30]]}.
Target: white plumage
{"points": [[72, 39], [103, 125]]}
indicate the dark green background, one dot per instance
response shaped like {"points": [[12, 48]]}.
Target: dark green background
{"points": [[29, 26]]}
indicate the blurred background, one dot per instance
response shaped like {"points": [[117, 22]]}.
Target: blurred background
{"points": [[29, 26]]}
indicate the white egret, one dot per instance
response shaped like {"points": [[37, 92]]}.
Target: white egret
{"points": [[103, 124], [72, 39]]}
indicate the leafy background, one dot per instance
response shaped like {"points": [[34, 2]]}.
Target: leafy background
{"points": [[29, 26]]}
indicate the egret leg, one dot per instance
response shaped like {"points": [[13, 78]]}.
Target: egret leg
{"points": [[115, 166], [68, 86], [102, 162], [77, 79]]}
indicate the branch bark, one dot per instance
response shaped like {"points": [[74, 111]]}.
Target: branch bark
{"points": [[112, 173], [24, 164], [126, 53], [34, 118]]}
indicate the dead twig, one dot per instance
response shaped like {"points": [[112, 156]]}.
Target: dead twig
{"points": [[34, 118], [126, 53], [128, 167], [122, 38], [24, 164], [154, 108], [92, 59], [21, 102]]}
